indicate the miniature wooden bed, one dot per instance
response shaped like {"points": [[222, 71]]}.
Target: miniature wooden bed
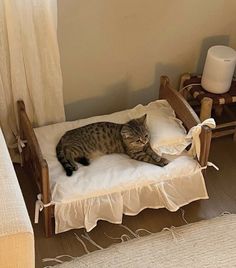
{"points": [[38, 167]]}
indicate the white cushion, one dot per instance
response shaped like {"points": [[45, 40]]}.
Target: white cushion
{"points": [[168, 136]]}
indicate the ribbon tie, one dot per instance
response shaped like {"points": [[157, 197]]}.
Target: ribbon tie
{"points": [[19, 144], [194, 135], [174, 233], [39, 206]]}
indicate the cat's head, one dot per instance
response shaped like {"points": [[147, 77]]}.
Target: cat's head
{"points": [[135, 133]]}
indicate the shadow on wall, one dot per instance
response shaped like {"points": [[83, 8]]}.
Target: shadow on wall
{"points": [[114, 100], [151, 93], [119, 96], [206, 44]]}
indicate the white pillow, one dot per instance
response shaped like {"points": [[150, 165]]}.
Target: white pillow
{"points": [[168, 135], [167, 132]]}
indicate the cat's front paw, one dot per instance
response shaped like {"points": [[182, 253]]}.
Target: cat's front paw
{"points": [[163, 162]]}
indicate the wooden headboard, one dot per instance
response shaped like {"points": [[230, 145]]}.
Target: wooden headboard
{"points": [[181, 107], [187, 115]]}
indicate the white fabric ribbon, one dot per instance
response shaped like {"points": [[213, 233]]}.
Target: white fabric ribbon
{"points": [[194, 135], [19, 144], [174, 233], [210, 164], [39, 206]]}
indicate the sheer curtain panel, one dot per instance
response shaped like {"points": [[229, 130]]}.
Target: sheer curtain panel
{"points": [[29, 64]]}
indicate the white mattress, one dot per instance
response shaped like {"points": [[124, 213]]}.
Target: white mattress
{"points": [[114, 185]]}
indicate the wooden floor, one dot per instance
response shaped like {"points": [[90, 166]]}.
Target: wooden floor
{"points": [[221, 188]]}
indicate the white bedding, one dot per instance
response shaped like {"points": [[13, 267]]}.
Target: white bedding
{"points": [[114, 185]]}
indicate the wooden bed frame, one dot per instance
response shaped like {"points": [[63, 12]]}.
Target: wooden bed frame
{"points": [[38, 167]]}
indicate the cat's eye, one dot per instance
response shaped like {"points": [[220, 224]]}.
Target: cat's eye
{"points": [[146, 136]]}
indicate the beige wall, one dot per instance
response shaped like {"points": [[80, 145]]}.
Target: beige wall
{"points": [[114, 51]]}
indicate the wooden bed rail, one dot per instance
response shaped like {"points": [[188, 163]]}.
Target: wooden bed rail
{"points": [[187, 115], [36, 165]]}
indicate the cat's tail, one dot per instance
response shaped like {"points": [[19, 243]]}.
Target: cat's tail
{"points": [[62, 159]]}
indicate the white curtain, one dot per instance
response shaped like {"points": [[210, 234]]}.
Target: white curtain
{"points": [[29, 64]]}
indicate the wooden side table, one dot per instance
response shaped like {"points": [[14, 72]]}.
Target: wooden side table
{"points": [[191, 89]]}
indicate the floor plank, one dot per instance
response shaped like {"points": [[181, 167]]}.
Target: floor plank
{"points": [[221, 186]]}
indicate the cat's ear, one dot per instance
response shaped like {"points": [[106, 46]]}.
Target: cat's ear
{"points": [[126, 131], [142, 119]]}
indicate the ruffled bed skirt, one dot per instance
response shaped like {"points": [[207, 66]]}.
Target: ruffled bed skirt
{"points": [[170, 194]]}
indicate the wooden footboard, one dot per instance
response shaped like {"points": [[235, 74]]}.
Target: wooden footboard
{"points": [[187, 115], [36, 165]]}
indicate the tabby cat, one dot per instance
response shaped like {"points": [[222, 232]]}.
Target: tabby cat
{"points": [[84, 143]]}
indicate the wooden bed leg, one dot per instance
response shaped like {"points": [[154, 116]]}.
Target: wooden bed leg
{"points": [[46, 197], [47, 221], [205, 138]]}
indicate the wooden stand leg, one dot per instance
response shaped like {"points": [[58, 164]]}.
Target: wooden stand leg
{"points": [[234, 137], [206, 107], [218, 110], [183, 78]]}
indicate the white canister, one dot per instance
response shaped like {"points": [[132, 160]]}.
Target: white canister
{"points": [[219, 69]]}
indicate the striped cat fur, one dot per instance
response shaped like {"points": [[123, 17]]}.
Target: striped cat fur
{"points": [[82, 144]]}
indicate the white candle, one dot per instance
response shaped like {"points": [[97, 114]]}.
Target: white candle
{"points": [[219, 69]]}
